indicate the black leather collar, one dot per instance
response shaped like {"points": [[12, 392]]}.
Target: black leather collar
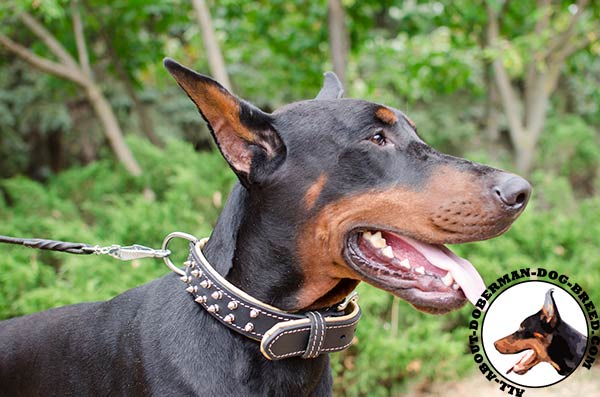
{"points": [[281, 334]]}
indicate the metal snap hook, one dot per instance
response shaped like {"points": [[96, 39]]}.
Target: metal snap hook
{"points": [[165, 243]]}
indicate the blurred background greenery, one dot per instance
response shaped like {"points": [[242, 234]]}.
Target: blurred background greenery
{"points": [[98, 144]]}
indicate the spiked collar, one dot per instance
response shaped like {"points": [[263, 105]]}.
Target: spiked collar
{"points": [[281, 334]]}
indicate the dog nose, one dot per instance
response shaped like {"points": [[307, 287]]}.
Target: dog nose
{"points": [[513, 191]]}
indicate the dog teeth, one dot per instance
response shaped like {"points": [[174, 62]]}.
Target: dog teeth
{"points": [[420, 270], [448, 280], [405, 263], [375, 239], [455, 287], [387, 251]]}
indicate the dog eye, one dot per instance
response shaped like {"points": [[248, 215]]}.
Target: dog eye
{"points": [[378, 138]]}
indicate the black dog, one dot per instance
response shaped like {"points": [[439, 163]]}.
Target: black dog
{"points": [[546, 338], [332, 191]]}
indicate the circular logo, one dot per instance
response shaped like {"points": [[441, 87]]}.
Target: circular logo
{"points": [[534, 334], [533, 328]]}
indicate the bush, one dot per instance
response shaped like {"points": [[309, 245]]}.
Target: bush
{"points": [[101, 204], [569, 147]]}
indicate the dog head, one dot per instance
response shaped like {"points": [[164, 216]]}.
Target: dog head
{"points": [[533, 337], [356, 195]]}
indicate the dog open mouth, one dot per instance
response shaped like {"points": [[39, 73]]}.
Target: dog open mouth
{"points": [[430, 277], [524, 364]]}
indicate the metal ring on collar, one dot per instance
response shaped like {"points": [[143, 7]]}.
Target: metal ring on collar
{"points": [[165, 243]]}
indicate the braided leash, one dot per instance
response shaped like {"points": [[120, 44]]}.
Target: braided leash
{"points": [[135, 251]]}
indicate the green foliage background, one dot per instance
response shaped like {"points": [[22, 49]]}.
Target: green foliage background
{"points": [[99, 203], [422, 57]]}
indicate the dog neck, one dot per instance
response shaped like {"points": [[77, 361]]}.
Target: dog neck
{"points": [[245, 249]]}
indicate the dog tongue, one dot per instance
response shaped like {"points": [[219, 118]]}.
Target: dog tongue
{"points": [[461, 269], [522, 363]]}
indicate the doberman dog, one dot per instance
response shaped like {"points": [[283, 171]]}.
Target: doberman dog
{"points": [[545, 337], [331, 191]]}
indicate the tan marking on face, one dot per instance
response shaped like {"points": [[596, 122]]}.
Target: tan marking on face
{"points": [[510, 345], [386, 115], [314, 191], [429, 215]]}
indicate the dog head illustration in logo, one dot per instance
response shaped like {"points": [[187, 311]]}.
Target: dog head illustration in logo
{"points": [[545, 337]]}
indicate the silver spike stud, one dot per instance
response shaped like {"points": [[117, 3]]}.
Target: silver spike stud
{"points": [[213, 308], [230, 318], [196, 273], [232, 305], [192, 289], [249, 327], [185, 278], [253, 313], [217, 295], [187, 263], [206, 284], [201, 299]]}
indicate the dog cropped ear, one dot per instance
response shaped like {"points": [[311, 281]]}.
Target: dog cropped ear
{"points": [[243, 133], [332, 87], [549, 313]]}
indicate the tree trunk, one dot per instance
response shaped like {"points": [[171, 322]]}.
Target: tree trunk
{"points": [[111, 128], [82, 52], [146, 124], [492, 124], [524, 153], [80, 74], [338, 38], [145, 121], [215, 57], [526, 113]]}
